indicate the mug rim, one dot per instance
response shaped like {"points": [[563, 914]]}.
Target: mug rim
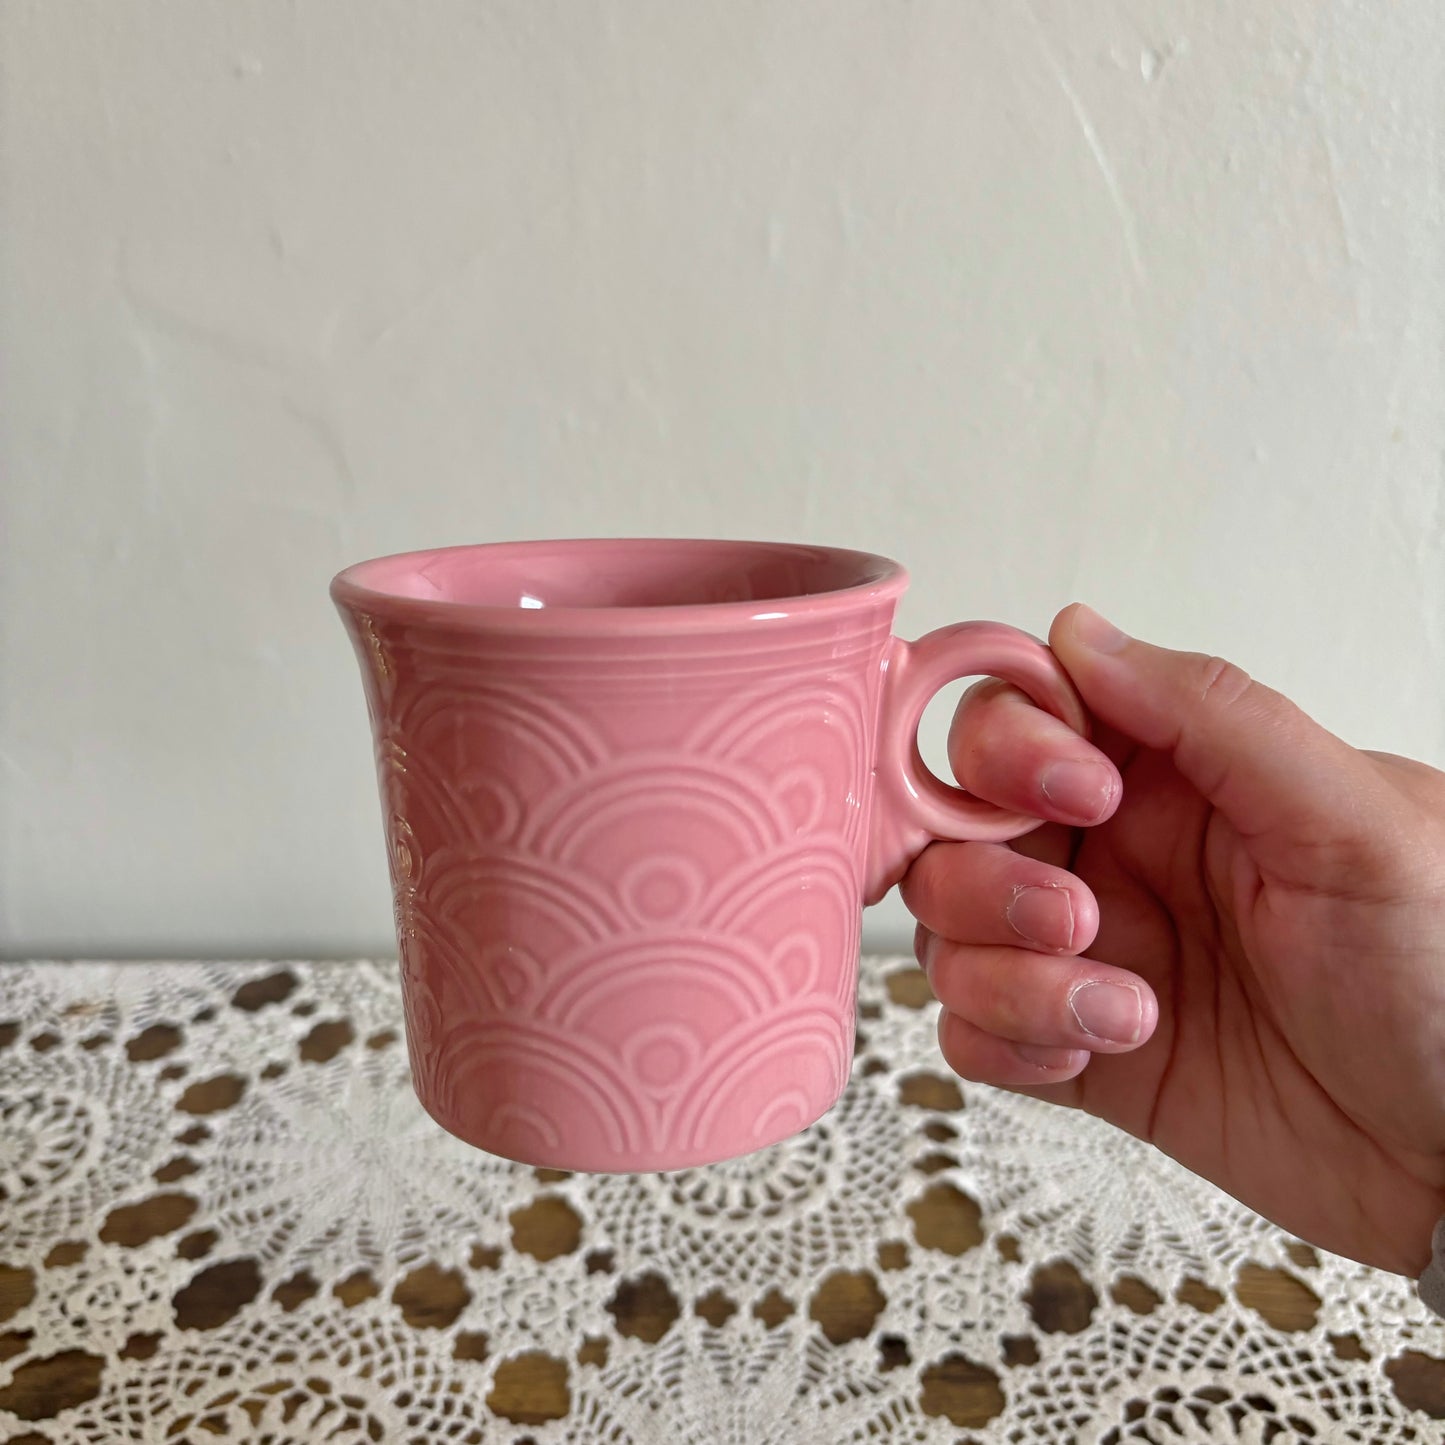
{"points": [[879, 578]]}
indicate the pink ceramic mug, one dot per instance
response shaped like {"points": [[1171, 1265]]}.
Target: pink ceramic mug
{"points": [[636, 794]]}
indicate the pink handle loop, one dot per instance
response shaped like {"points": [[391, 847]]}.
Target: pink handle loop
{"points": [[912, 807]]}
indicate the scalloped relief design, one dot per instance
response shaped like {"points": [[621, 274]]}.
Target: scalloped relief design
{"points": [[624, 955]]}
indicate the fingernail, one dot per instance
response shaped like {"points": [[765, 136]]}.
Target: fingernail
{"points": [[1043, 916], [1082, 790], [1108, 1011], [1043, 1057], [1095, 632]]}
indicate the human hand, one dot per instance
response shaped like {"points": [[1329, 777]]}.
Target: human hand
{"points": [[1242, 961]]}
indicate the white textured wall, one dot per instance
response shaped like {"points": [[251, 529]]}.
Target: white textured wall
{"points": [[1137, 302]]}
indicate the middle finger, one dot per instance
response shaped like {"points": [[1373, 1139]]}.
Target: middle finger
{"points": [[989, 894]]}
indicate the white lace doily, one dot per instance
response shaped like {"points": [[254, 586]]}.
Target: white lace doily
{"points": [[223, 1216]]}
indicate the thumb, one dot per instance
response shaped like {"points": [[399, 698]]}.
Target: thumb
{"points": [[1270, 769]]}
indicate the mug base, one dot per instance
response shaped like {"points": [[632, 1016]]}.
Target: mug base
{"points": [[601, 1160]]}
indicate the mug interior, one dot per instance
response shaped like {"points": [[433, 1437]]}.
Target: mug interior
{"points": [[590, 575]]}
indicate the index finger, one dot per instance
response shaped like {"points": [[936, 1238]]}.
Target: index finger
{"points": [[1004, 749]]}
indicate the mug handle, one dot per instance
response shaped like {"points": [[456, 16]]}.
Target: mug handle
{"points": [[912, 807]]}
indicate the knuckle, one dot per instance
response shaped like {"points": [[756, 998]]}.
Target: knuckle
{"points": [[952, 1044], [996, 1003], [921, 884], [1222, 683], [948, 975], [965, 1049], [985, 690], [938, 882], [983, 717]]}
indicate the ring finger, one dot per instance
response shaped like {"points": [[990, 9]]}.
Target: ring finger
{"points": [[1039, 999]]}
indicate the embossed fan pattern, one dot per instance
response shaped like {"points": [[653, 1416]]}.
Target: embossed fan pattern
{"points": [[633, 937]]}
